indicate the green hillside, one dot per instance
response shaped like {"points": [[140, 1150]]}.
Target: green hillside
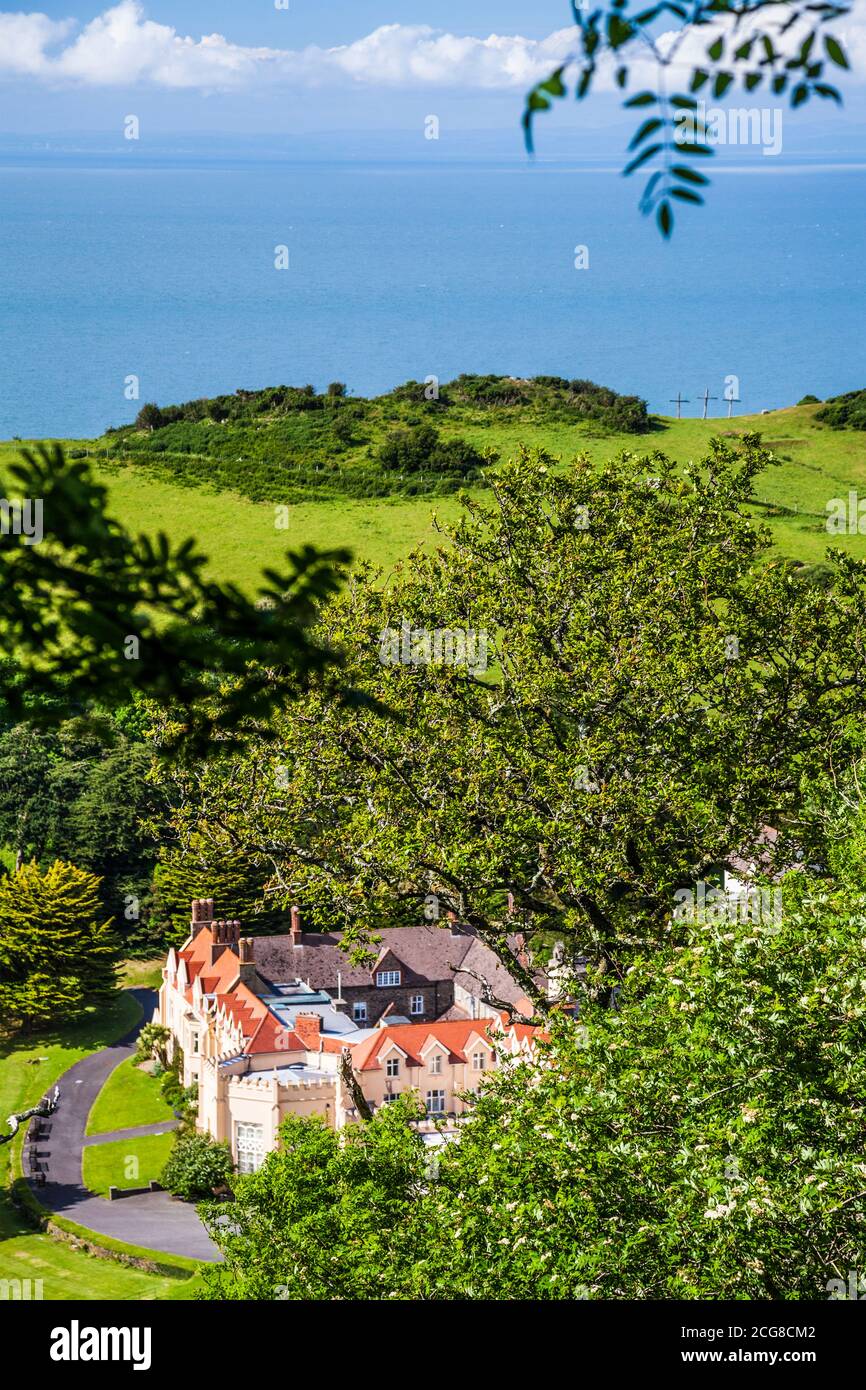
{"points": [[153, 489]]}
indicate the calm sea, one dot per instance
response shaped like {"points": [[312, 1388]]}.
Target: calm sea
{"points": [[117, 266]]}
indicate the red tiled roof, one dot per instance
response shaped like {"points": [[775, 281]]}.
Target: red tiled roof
{"points": [[412, 1039]]}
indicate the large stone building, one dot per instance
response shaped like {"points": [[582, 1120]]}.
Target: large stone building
{"points": [[264, 1038]]}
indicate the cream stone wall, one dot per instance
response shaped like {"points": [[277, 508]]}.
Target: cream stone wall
{"points": [[452, 1078]]}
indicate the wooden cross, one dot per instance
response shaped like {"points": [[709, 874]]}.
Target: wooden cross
{"points": [[680, 400], [705, 398], [732, 401]]}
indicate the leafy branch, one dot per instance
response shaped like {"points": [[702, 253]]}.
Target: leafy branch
{"points": [[782, 47], [93, 613]]}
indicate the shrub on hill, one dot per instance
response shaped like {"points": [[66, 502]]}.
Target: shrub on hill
{"points": [[845, 412], [419, 449]]}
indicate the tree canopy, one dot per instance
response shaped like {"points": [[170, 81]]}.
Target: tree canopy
{"points": [[57, 951], [702, 1140], [658, 688]]}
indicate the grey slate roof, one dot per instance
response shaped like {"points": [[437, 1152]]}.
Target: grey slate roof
{"points": [[426, 953]]}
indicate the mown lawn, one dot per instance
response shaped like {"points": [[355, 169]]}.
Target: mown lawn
{"points": [[126, 1162], [67, 1273], [129, 1097], [141, 974], [28, 1067]]}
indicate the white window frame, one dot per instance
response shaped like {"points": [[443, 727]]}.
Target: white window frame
{"points": [[249, 1145], [392, 1066], [435, 1064], [392, 1095], [359, 1012], [435, 1102], [387, 979], [479, 1061], [416, 1004]]}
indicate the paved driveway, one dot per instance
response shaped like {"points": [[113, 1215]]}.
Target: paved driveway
{"points": [[154, 1220]]}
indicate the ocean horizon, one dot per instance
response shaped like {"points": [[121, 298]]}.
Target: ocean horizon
{"points": [[158, 267]]}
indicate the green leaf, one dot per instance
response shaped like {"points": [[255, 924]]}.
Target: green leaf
{"points": [[682, 171], [702, 150], [722, 83], [642, 99], [752, 80], [799, 94], [835, 51], [716, 49], [686, 195], [648, 128], [619, 31], [642, 158], [665, 219], [554, 84], [823, 90], [699, 77]]}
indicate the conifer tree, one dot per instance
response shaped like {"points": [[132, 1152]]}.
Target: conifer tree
{"points": [[234, 883], [58, 952]]}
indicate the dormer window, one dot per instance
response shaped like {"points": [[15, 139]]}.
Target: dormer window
{"points": [[384, 978], [392, 1066], [436, 1064]]}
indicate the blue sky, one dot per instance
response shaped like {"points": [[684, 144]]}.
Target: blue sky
{"points": [[328, 66]]}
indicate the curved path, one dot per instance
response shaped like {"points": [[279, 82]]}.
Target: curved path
{"points": [[153, 1220]]}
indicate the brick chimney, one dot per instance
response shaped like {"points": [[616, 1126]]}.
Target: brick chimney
{"points": [[296, 931], [521, 952], [247, 964], [202, 914], [226, 936], [309, 1029]]}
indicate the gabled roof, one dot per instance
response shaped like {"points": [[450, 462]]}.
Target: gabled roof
{"points": [[424, 954], [455, 1038]]}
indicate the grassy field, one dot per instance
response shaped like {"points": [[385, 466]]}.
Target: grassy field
{"points": [[129, 1097], [816, 463], [28, 1067], [126, 1162], [141, 974]]}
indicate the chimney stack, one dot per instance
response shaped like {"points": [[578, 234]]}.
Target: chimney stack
{"points": [[297, 933], [225, 938], [202, 914], [309, 1029], [247, 964]]}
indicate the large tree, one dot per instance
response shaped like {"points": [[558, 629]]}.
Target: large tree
{"points": [[660, 687], [58, 953]]}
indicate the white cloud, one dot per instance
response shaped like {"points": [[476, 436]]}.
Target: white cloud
{"points": [[122, 47]]}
